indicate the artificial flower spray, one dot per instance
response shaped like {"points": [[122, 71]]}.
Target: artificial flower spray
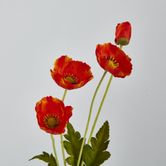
{"points": [[53, 116]]}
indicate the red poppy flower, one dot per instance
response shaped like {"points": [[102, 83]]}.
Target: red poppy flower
{"points": [[123, 33], [113, 59], [70, 74], [52, 115]]}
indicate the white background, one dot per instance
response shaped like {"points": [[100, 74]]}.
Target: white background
{"points": [[33, 33]]}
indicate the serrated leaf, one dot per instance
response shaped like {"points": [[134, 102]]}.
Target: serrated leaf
{"points": [[46, 158], [96, 154], [72, 144]]}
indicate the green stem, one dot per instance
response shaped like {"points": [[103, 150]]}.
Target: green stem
{"points": [[100, 107], [54, 149], [121, 47], [64, 95], [89, 117], [63, 151], [61, 136]]}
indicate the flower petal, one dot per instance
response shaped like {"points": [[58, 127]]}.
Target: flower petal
{"points": [[71, 74], [111, 58], [52, 115]]}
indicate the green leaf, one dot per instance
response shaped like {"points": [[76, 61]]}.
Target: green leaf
{"points": [[96, 154], [72, 144], [46, 158]]}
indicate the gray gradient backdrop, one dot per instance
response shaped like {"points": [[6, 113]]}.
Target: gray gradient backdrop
{"points": [[33, 33]]}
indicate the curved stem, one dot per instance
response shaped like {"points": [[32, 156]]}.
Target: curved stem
{"points": [[99, 110], [61, 136], [54, 149], [89, 117]]}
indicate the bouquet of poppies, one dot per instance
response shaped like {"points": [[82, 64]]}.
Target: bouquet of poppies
{"points": [[53, 116]]}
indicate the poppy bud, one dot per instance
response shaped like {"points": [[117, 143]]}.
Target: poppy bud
{"points": [[123, 33]]}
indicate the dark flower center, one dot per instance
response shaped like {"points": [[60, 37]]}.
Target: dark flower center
{"points": [[113, 63], [71, 79], [51, 122]]}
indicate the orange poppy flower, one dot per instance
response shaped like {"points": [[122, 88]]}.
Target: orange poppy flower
{"points": [[70, 74], [123, 33], [113, 59], [52, 115]]}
